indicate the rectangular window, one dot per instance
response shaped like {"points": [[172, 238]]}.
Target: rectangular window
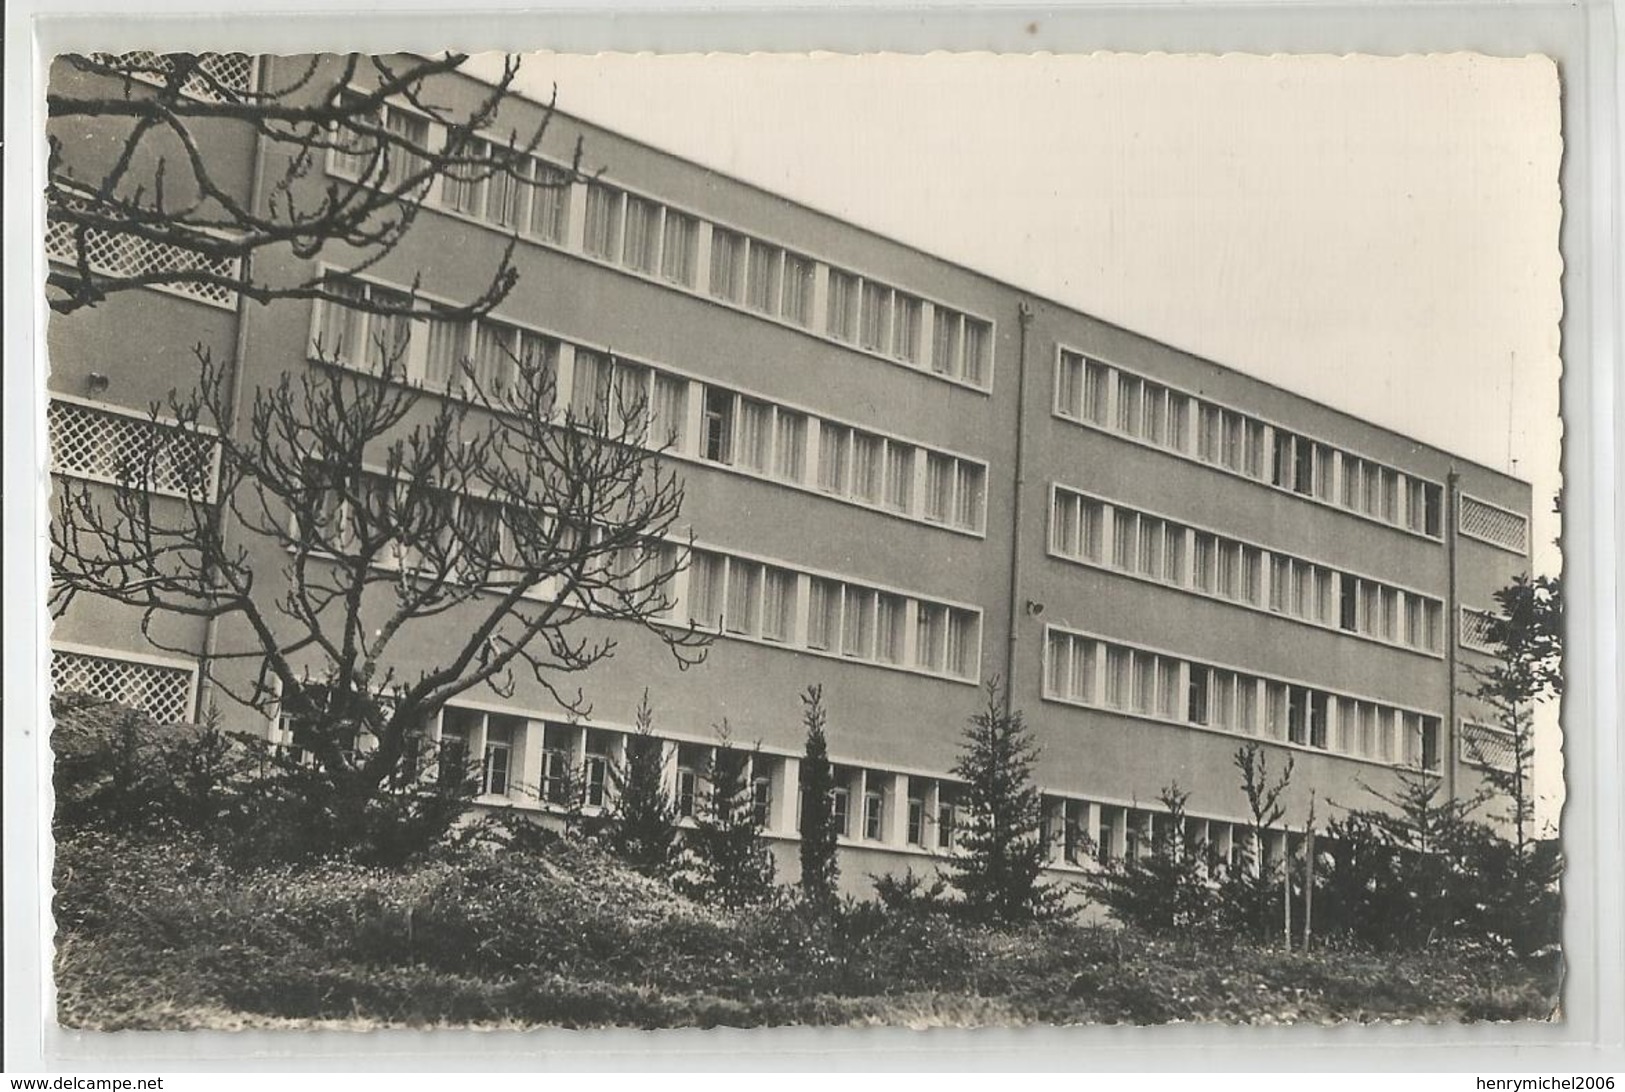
{"points": [[558, 743], [719, 424], [967, 496], [678, 248], [858, 623], [899, 476], [755, 435], [823, 614], [874, 324], [763, 291], [1209, 433], [499, 759], [833, 443], [705, 582], [744, 590], [778, 605], [494, 356], [891, 614], [1145, 682], [1129, 396], [1065, 510], [1204, 563], [840, 811], [1069, 385], [503, 193], [1151, 536], [867, 467], [873, 808], [1229, 563], [962, 643], [938, 486], [549, 204], [842, 318], [668, 417], [389, 336], [1196, 706], [727, 265], [1325, 483], [447, 347], [916, 814], [603, 226], [978, 346], [1117, 677], [1252, 575], [1125, 543], [905, 341], [1247, 704], [1081, 670], [946, 355], [761, 800], [402, 165], [930, 637], [460, 185], [1319, 717], [1154, 414], [595, 770], [791, 461], [798, 289], [1297, 715], [1253, 456], [1223, 711]]}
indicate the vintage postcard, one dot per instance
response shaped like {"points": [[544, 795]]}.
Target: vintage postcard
{"points": [[693, 540]]}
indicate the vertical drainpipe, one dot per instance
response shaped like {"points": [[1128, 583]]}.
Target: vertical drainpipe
{"points": [[234, 394], [1024, 314], [1447, 731]]}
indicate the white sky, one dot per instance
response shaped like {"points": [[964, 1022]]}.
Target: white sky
{"points": [[1378, 234]]}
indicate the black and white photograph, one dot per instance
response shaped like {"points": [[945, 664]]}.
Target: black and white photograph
{"points": [[751, 540]]}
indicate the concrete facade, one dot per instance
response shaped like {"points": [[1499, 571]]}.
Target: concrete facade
{"points": [[1137, 538]]}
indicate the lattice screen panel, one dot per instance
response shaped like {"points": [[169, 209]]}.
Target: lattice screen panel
{"points": [[1494, 525], [1486, 746], [164, 692], [117, 254], [1475, 630], [225, 76], [87, 442]]}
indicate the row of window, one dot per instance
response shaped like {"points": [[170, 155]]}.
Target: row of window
{"points": [[1095, 532], [731, 428], [1096, 393], [1087, 671], [748, 598], [1082, 833], [656, 240]]}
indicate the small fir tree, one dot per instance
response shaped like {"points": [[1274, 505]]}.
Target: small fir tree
{"points": [[1250, 894], [997, 871], [644, 831], [725, 859], [819, 870]]}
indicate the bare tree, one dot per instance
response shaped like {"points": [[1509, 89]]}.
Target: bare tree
{"points": [[350, 147], [370, 517]]}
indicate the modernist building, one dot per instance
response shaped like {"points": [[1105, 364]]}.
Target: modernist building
{"points": [[903, 477]]}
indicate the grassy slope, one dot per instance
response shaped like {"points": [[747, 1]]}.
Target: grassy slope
{"points": [[163, 934]]}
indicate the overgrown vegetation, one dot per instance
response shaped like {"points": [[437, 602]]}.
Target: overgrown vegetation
{"points": [[998, 874], [180, 902]]}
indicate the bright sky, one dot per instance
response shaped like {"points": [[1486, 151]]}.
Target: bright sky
{"points": [[1378, 234]]}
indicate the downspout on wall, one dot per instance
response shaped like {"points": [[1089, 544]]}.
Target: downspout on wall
{"points": [[1447, 733], [1024, 315], [211, 626]]}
